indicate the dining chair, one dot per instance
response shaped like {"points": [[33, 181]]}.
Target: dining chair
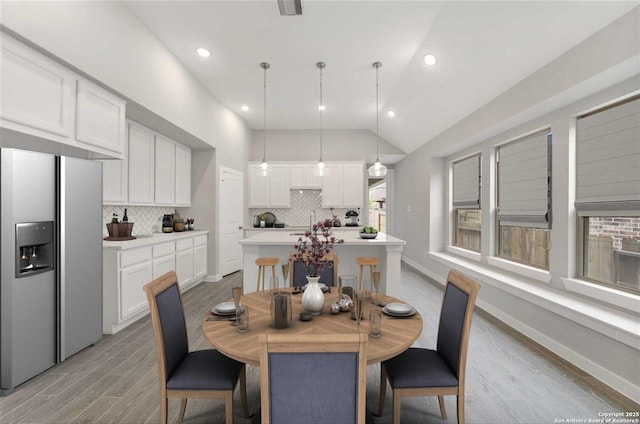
{"points": [[298, 271], [313, 378], [183, 374], [427, 372]]}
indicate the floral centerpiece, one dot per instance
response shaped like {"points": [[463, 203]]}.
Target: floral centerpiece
{"points": [[314, 247]]}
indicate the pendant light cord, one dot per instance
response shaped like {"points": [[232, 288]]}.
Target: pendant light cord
{"points": [[377, 117], [321, 111], [264, 115]]}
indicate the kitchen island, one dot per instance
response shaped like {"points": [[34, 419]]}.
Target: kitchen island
{"points": [[280, 244]]}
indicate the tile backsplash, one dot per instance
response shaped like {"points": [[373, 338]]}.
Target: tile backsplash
{"points": [[302, 203], [146, 219]]}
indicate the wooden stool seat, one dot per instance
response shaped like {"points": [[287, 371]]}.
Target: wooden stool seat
{"points": [[262, 264], [369, 261]]}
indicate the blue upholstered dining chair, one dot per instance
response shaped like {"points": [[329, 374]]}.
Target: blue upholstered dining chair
{"points": [[313, 378], [184, 374], [328, 276], [426, 372]]}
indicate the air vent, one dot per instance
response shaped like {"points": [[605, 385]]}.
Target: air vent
{"points": [[290, 7]]}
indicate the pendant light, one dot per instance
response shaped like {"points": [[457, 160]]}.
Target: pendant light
{"points": [[320, 170], [377, 169], [264, 166]]}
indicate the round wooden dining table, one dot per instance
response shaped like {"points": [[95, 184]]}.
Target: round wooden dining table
{"points": [[398, 334]]}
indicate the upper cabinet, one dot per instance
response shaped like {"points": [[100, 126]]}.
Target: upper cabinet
{"points": [[40, 97], [343, 186], [271, 190], [155, 171], [304, 176]]}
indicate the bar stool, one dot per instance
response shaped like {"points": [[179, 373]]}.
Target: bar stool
{"points": [[369, 261], [262, 264]]}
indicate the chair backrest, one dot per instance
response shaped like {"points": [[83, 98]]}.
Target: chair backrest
{"points": [[169, 326], [316, 378], [455, 321], [328, 276]]}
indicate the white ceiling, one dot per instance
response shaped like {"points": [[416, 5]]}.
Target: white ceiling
{"points": [[483, 49]]}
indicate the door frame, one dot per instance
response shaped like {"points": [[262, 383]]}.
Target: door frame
{"points": [[240, 174]]}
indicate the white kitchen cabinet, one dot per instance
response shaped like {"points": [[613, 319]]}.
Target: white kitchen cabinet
{"points": [[135, 272], [183, 175], [199, 262], [304, 176], [100, 118], [184, 261], [43, 98], [164, 259], [165, 171], [343, 187], [114, 181], [382, 220], [141, 165], [270, 190]]}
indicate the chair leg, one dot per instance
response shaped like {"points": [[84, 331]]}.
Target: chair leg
{"points": [[259, 272], [273, 274], [243, 391], [183, 407], [228, 406], [383, 390], [163, 408], [461, 407], [360, 279], [397, 399], [443, 408]]}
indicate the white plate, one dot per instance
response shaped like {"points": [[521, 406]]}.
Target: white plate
{"points": [[412, 312], [398, 308], [225, 308]]}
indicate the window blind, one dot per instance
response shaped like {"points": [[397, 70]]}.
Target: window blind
{"points": [[466, 183], [608, 160], [523, 181]]}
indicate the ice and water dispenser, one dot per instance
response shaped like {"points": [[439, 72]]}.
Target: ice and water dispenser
{"points": [[34, 247]]}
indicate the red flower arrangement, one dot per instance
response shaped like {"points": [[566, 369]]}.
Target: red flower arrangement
{"points": [[316, 245]]}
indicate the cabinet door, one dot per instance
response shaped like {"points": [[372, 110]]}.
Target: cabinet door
{"points": [[141, 164], [199, 262], [183, 175], [312, 179], [37, 93], [353, 181], [297, 176], [100, 118], [332, 187], [184, 267], [114, 181], [132, 297], [163, 265], [165, 171], [258, 188], [279, 190]]}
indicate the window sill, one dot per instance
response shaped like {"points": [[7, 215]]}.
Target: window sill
{"points": [[469, 254], [621, 299], [608, 320], [524, 270]]}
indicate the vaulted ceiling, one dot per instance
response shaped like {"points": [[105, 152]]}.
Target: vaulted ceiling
{"points": [[483, 48]]}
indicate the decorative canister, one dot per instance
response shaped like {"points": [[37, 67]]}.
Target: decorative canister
{"points": [[281, 310], [313, 298]]}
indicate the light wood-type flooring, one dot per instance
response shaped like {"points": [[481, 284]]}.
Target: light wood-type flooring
{"points": [[509, 378]]}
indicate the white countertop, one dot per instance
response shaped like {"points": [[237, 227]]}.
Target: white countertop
{"points": [[154, 238], [351, 238], [299, 228]]}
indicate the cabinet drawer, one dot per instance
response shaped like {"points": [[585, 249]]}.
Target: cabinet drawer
{"points": [[200, 240], [184, 244], [135, 256], [163, 249]]}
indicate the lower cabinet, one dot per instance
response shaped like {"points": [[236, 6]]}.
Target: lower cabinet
{"points": [[126, 271]]}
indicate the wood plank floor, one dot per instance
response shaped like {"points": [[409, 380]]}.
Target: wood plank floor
{"points": [[509, 378]]}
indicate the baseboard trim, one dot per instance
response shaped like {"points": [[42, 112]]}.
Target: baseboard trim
{"points": [[213, 278]]}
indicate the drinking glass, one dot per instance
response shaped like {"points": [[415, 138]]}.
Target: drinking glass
{"points": [[357, 306], [274, 282], [242, 318], [366, 289], [375, 323], [237, 294], [376, 286], [285, 272]]}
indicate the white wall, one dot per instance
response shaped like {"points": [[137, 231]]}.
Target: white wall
{"points": [[596, 336], [105, 41]]}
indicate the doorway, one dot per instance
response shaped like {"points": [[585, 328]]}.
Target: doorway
{"points": [[231, 219], [380, 203]]}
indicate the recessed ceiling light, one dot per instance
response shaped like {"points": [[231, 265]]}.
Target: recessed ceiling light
{"points": [[430, 60], [245, 108], [322, 107], [203, 52], [391, 114]]}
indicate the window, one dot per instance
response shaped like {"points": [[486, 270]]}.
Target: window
{"points": [[466, 203], [608, 195], [524, 199]]}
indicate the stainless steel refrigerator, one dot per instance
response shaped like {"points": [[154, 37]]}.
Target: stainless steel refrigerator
{"points": [[51, 261]]}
